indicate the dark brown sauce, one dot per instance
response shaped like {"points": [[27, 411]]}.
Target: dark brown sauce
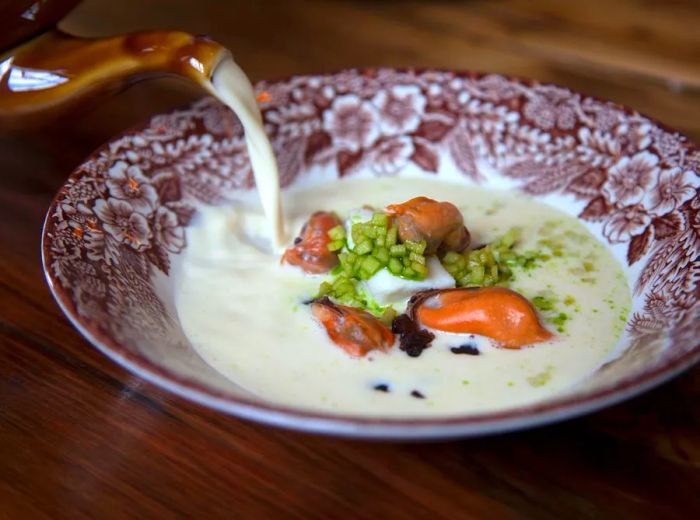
{"points": [[412, 339], [467, 348]]}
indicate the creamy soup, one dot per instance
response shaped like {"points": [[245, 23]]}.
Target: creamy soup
{"points": [[247, 315]]}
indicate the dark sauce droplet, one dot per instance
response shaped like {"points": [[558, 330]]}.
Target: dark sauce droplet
{"points": [[381, 388], [468, 349], [417, 394], [412, 339], [297, 241]]}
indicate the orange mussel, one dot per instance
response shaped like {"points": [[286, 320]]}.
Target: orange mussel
{"points": [[310, 249], [494, 312], [356, 331], [440, 224]]}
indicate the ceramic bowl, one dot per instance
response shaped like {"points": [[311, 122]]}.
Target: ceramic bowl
{"points": [[114, 233]]}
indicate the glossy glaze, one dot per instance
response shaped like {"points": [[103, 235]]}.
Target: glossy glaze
{"points": [[56, 70]]}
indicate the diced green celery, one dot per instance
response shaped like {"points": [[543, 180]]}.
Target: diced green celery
{"points": [[476, 275], [336, 245], [391, 236], [417, 258], [341, 282], [419, 268], [408, 272], [347, 291], [380, 219], [363, 248], [473, 260], [359, 232], [397, 250], [491, 263], [464, 281], [395, 266], [456, 273], [382, 254], [451, 257], [371, 264], [420, 247], [337, 233]]}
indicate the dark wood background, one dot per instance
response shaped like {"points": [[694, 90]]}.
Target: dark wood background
{"points": [[82, 438]]}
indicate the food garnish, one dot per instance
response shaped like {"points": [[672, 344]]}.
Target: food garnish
{"points": [[375, 245], [385, 241], [403, 241]]}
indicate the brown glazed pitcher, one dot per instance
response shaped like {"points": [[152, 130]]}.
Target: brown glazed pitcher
{"points": [[44, 70]]}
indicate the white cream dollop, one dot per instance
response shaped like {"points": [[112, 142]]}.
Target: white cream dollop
{"points": [[388, 289]]}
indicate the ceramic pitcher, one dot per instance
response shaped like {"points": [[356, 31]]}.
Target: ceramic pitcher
{"points": [[44, 70]]}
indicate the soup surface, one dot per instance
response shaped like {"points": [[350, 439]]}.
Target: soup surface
{"points": [[245, 313]]}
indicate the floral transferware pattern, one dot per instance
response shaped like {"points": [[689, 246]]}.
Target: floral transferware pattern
{"points": [[119, 219]]}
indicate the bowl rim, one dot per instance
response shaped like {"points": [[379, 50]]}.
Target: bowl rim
{"points": [[346, 425]]}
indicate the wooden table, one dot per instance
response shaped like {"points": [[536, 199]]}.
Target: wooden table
{"points": [[80, 437]]}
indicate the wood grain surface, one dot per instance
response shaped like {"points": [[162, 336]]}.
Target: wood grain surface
{"points": [[82, 438]]}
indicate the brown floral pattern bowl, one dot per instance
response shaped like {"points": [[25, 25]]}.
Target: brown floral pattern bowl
{"points": [[114, 233]]}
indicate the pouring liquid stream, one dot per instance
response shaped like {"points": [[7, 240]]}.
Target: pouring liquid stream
{"points": [[56, 71], [232, 87]]}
